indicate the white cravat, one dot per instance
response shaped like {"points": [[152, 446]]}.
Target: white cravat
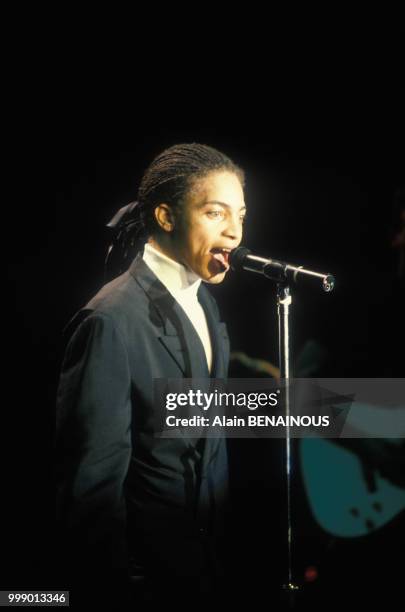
{"points": [[183, 284]]}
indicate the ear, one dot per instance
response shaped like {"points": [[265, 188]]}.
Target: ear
{"points": [[164, 217]]}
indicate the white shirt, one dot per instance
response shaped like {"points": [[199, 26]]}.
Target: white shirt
{"points": [[183, 285]]}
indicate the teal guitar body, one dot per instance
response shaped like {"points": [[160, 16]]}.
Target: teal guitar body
{"points": [[338, 495]]}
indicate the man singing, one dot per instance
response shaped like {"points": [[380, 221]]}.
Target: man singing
{"points": [[127, 500]]}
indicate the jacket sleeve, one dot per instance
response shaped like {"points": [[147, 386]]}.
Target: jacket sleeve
{"points": [[93, 449]]}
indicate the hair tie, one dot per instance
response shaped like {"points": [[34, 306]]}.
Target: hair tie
{"points": [[127, 226]]}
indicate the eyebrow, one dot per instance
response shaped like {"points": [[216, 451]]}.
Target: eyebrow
{"points": [[221, 204]]}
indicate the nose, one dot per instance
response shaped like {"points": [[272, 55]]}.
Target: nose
{"points": [[233, 229]]}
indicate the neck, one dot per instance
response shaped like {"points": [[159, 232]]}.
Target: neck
{"points": [[164, 247]]}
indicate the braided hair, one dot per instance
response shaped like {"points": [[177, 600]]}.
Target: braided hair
{"points": [[169, 178]]}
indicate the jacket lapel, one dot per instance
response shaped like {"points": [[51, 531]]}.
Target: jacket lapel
{"points": [[218, 334], [175, 330], [181, 340]]}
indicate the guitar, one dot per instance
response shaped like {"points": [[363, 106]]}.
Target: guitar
{"points": [[354, 486], [351, 495]]}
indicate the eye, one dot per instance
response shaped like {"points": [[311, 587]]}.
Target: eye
{"points": [[215, 214]]}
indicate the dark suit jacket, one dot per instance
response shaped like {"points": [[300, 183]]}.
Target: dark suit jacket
{"points": [[123, 493]]}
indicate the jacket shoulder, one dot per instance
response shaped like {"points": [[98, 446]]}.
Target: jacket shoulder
{"points": [[116, 300]]}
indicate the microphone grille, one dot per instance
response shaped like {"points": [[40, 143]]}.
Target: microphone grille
{"points": [[237, 257]]}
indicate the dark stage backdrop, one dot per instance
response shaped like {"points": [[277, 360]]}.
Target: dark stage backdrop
{"points": [[323, 190]]}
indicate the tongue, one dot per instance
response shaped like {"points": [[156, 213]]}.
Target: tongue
{"points": [[222, 258]]}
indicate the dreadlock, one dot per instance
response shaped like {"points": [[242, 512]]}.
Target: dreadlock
{"points": [[169, 178]]}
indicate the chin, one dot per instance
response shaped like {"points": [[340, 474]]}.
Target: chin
{"points": [[216, 278]]}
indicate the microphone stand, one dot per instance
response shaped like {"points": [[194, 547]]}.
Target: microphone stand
{"points": [[284, 301], [281, 272]]}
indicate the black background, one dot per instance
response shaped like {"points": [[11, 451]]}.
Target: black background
{"points": [[322, 146]]}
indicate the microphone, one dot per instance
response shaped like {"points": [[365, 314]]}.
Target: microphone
{"points": [[242, 259]]}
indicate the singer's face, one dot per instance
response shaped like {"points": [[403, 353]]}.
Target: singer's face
{"points": [[210, 221]]}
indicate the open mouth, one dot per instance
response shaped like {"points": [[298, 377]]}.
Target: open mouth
{"points": [[221, 255]]}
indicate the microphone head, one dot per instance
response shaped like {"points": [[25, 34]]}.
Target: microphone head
{"points": [[237, 257]]}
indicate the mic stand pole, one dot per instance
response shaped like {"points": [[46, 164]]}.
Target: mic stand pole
{"points": [[284, 301], [280, 272]]}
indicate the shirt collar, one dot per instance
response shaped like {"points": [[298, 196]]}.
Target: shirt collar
{"points": [[175, 276]]}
